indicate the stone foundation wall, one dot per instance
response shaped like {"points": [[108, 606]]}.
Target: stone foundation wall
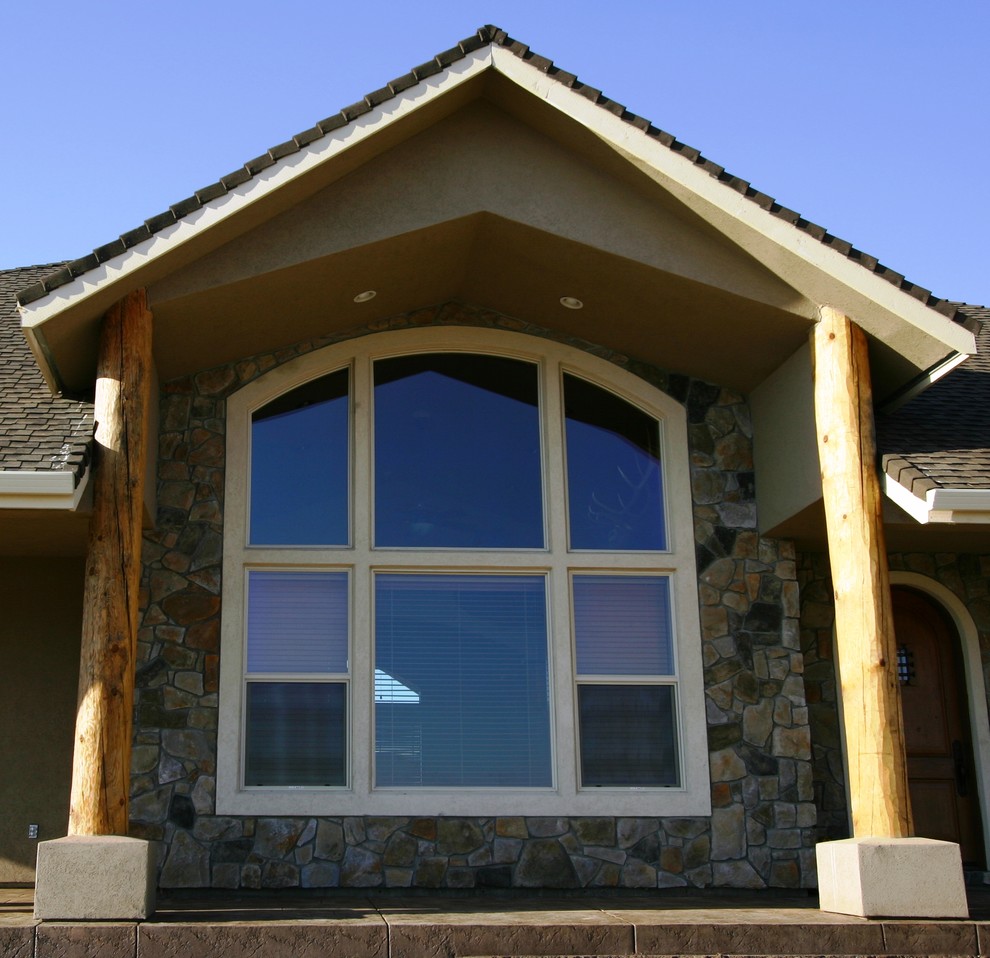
{"points": [[762, 829], [966, 576]]}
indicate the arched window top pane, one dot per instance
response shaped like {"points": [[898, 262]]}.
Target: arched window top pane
{"points": [[614, 481], [457, 452], [299, 465]]}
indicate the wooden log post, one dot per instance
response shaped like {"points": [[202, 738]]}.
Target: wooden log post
{"points": [[104, 719], [864, 629]]}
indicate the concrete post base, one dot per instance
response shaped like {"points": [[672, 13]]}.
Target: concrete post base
{"points": [[95, 877], [891, 878]]}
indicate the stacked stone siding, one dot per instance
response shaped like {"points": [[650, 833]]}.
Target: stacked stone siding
{"points": [[820, 685], [762, 828]]}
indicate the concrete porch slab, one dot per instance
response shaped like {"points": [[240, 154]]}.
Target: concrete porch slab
{"points": [[340, 925]]}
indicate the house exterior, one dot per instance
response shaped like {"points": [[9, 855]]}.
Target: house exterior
{"points": [[482, 530]]}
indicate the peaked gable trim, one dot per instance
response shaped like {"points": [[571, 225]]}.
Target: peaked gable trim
{"points": [[677, 165], [497, 38]]}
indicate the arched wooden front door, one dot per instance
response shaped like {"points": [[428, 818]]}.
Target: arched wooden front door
{"points": [[941, 773]]}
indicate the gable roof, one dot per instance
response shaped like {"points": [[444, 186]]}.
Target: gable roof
{"points": [[935, 450], [46, 441], [905, 319], [484, 36]]}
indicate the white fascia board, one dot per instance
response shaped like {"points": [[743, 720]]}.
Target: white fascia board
{"points": [[695, 180], [257, 188], [960, 505], [41, 489], [952, 506]]}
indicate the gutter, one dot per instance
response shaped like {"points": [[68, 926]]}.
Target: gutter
{"points": [[41, 489], [949, 506]]}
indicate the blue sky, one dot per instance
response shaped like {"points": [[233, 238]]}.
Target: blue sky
{"points": [[871, 118]]}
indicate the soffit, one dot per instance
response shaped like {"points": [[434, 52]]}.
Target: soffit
{"points": [[511, 268], [902, 533], [34, 533]]}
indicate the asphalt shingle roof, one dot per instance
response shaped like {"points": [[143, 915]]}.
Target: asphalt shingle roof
{"points": [[37, 431], [487, 35], [941, 438]]}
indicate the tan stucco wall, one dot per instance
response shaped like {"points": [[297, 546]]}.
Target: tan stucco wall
{"points": [[481, 160], [785, 451], [41, 603]]}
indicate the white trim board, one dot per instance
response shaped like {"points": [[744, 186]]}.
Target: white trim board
{"points": [[41, 489], [950, 506]]}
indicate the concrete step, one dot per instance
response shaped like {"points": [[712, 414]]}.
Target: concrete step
{"points": [[370, 937]]}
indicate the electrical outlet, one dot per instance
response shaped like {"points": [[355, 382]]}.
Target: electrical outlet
{"points": [[32, 831]]}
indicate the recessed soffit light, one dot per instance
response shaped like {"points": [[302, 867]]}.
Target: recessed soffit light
{"points": [[571, 302], [368, 294]]}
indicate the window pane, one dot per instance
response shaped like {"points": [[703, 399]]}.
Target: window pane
{"points": [[296, 733], [457, 452], [299, 466], [462, 684], [613, 471], [628, 735], [622, 625], [297, 622]]}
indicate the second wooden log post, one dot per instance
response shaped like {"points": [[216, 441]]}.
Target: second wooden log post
{"points": [[864, 628]]}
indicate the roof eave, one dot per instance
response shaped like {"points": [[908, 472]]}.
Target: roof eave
{"points": [[42, 489], [943, 506]]}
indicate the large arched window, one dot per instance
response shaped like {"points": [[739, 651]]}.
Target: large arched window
{"points": [[459, 579]]}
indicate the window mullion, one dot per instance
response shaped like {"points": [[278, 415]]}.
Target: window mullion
{"points": [[561, 653], [361, 732], [362, 446]]}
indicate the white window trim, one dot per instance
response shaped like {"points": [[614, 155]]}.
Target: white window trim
{"points": [[565, 798]]}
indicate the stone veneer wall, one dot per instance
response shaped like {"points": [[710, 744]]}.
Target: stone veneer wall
{"points": [[761, 831], [966, 576], [820, 687]]}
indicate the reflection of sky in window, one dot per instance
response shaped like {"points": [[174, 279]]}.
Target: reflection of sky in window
{"points": [[622, 625], [457, 452], [614, 483], [474, 649], [299, 466], [297, 622], [391, 690]]}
